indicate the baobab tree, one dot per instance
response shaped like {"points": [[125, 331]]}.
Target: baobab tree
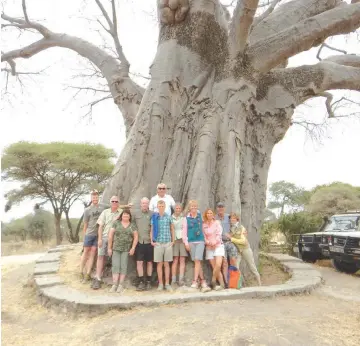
{"points": [[220, 95]]}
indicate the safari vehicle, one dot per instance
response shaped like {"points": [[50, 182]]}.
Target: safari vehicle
{"points": [[344, 249], [314, 246]]}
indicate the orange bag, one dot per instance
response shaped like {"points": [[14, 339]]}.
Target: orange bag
{"points": [[234, 277]]}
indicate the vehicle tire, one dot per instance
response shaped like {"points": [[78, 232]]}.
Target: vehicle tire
{"points": [[345, 267], [309, 258]]}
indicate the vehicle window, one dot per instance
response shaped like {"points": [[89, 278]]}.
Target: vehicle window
{"points": [[342, 223]]}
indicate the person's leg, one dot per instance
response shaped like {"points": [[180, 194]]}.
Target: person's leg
{"points": [[249, 258], [217, 270], [115, 268], [197, 270], [174, 269], [91, 259], [167, 273], [149, 258], [140, 268], [124, 257], [84, 258], [233, 261], [160, 273], [225, 266], [182, 270], [213, 278]]}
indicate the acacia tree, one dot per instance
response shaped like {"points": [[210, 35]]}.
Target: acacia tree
{"points": [[220, 95], [56, 173]]}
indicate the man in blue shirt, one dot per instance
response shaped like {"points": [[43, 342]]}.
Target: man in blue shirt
{"points": [[162, 237]]}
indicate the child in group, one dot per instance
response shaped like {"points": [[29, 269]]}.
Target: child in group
{"points": [[179, 251], [238, 236]]}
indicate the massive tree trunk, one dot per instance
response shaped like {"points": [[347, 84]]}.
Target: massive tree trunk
{"points": [[220, 95]]}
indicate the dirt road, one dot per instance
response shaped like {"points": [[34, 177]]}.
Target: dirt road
{"points": [[325, 317]]}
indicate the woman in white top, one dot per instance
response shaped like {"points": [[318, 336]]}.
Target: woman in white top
{"points": [[179, 251]]}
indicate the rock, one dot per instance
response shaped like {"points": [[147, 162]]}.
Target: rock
{"points": [[46, 268]]}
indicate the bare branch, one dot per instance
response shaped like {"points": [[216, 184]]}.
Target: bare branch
{"points": [[270, 51], [268, 11], [323, 45], [347, 60], [25, 11], [288, 14], [241, 23], [328, 103], [113, 31]]}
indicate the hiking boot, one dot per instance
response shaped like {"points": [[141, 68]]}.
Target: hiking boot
{"points": [[141, 286], [168, 288], [113, 289], [120, 289], [96, 284], [148, 286], [160, 288], [181, 282], [219, 288]]}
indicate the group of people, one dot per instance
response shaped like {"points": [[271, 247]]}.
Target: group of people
{"points": [[162, 232]]}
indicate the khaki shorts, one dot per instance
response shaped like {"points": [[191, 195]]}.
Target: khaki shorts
{"points": [[163, 252], [179, 249]]}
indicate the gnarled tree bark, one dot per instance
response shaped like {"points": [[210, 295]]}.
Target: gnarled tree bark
{"points": [[217, 102]]}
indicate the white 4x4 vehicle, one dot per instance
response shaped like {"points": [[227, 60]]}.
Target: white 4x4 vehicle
{"points": [[344, 250]]}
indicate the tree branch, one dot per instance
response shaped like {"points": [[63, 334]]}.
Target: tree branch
{"points": [[243, 17], [347, 60], [126, 93], [268, 11], [289, 14], [323, 45], [305, 82], [271, 51]]}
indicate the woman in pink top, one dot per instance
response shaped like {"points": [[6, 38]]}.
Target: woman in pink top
{"points": [[215, 250]]}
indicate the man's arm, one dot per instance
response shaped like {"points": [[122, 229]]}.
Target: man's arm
{"points": [[110, 243], [86, 220], [151, 235]]}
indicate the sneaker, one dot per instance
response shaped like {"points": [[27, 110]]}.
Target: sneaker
{"points": [[141, 286], [148, 286], [174, 285], [86, 278], [181, 282], [120, 289], [160, 288], [194, 285], [81, 277], [96, 284], [204, 287], [113, 289], [168, 288], [213, 285], [219, 288]]}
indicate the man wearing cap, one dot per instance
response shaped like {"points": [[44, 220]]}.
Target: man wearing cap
{"points": [[105, 221], [162, 196], [231, 251]]}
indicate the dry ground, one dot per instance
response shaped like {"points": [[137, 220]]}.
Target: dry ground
{"points": [[9, 248], [69, 271], [317, 319]]}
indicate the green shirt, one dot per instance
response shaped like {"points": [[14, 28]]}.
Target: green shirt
{"points": [[142, 224], [107, 219], [123, 237]]}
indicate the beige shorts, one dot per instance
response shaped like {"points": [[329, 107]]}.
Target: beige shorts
{"points": [[179, 249], [163, 252]]}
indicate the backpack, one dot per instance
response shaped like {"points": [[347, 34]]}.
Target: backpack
{"points": [[234, 278]]}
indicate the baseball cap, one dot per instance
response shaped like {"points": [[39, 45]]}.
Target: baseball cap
{"points": [[220, 205]]}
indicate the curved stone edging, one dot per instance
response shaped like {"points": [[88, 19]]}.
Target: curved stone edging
{"points": [[53, 293]]}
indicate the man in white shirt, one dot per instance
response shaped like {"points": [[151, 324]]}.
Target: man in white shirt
{"points": [[162, 196]]}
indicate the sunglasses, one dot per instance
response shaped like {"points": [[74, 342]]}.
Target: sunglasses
{"points": [[114, 201], [161, 188]]}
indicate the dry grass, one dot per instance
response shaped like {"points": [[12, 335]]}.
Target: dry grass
{"points": [[23, 247]]}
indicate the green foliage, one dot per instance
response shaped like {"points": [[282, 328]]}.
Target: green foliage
{"points": [[285, 195], [297, 223], [17, 228], [334, 198], [41, 226], [59, 173], [266, 234]]}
